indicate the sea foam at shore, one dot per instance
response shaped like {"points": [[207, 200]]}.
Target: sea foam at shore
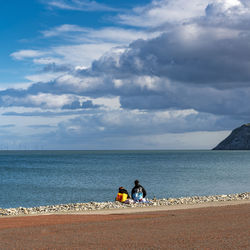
{"points": [[90, 206]]}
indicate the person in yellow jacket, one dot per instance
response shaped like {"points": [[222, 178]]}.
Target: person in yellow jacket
{"points": [[122, 195]]}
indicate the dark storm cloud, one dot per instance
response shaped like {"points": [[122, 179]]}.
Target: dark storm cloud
{"points": [[84, 105], [221, 63], [233, 102]]}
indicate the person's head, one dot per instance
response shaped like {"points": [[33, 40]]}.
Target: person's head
{"points": [[136, 182]]}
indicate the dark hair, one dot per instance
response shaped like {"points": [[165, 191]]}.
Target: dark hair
{"points": [[136, 182]]}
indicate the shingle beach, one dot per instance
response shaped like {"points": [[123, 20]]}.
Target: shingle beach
{"points": [[104, 206], [220, 224]]}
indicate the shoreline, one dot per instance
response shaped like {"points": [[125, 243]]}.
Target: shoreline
{"points": [[118, 208]]}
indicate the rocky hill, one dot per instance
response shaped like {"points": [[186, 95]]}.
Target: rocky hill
{"points": [[239, 139]]}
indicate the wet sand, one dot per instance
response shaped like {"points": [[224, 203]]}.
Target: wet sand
{"points": [[216, 227]]}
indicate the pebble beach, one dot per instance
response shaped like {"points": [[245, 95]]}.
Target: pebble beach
{"points": [[220, 224], [103, 206]]}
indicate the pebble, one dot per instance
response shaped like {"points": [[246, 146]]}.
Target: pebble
{"points": [[90, 206]]}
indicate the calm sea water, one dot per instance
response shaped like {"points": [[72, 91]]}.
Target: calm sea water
{"points": [[34, 178]]}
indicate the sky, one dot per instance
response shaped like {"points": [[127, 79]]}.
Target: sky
{"points": [[115, 74]]}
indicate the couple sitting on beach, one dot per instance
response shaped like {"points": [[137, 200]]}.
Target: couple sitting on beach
{"points": [[138, 194]]}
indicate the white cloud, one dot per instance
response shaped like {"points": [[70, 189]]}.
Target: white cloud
{"points": [[109, 103], [83, 54], [164, 11], [76, 84], [48, 60], [115, 35], [62, 5], [120, 35], [65, 28], [230, 3], [80, 55], [23, 54], [226, 6], [79, 5], [47, 101], [15, 85]]}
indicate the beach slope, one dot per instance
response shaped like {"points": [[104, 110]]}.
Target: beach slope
{"points": [[222, 227]]}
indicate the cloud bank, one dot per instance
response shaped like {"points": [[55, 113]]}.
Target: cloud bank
{"points": [[169, 67]]}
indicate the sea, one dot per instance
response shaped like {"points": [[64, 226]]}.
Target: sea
{"points": [[36, 178]]}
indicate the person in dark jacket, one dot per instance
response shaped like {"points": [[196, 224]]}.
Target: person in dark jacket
{"points": [[138, 192]]}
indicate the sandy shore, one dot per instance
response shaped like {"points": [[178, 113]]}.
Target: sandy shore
{"points": [[215, 226]]}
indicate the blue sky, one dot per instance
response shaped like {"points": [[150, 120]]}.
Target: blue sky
{"points": [[164, 74]]}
